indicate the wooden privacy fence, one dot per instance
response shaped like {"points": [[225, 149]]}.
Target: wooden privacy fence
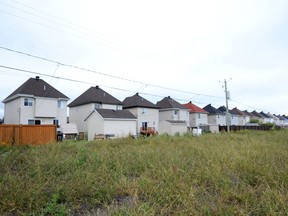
{"points": [[245, 127], [27, 134]]}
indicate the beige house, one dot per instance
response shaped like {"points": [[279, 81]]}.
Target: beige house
{"points": [[215, 116], [173, 127], [170, 110], [146, 112], [197, 116], [97, 112], [35, 102]]}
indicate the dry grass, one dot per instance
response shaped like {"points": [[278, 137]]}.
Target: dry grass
{"points": [[243, 173]]}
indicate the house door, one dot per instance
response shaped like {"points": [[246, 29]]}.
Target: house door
{"points": [[144, 125]]}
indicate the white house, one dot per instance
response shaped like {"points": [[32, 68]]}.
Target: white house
{"points": [[197, 116], [170, 110], [110, 123], [146, 112], [215, 116], [97, 112], [35, 102], [241, 116]]}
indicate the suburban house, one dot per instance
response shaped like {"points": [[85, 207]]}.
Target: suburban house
{"points": [[197, 116], [257, 116], [232, 115], [147, 114], [97, 112], [35, 102], [173, 116], [241, 116], [248, 116], [267, 118], [215, 116]]}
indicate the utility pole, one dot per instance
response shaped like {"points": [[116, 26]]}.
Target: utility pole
{"points": [[227, 97]]}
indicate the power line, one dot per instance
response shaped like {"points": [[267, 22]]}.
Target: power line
{"points": [[90, 83], [55, 19], [105, 74]]}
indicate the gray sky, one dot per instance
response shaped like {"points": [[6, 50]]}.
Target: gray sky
{"points": [[142, 46]]}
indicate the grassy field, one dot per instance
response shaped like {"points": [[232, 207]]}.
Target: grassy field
{"points": [[244, 173]]}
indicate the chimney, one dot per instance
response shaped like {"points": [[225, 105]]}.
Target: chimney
{"points": [[37, 78], [97, 87]]}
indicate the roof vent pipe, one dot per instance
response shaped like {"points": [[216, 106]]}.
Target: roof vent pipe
{"points": [[37, 77]]}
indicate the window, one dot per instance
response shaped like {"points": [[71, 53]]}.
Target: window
{"points": [[144, 110], [60, 104], [56, 122], [199, 115], [144, 125], [34, 122], [28, 102], [175, 112], [97, 106]]}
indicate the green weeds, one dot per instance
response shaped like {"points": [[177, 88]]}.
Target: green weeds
{"points": [[242, 173]]}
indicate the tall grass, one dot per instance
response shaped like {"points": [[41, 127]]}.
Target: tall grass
{"points": [[244, 173]]}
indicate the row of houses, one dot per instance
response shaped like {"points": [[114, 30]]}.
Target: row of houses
{"points": [[96, 112]]}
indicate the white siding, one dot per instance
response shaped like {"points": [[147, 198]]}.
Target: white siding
{"points": [[181, 115], [95, 125], [120, 128], [46, 107], [217, 120], [172, 128], [234, 120], [78, 114], [151, 116], [11, 115], [197, 119]]}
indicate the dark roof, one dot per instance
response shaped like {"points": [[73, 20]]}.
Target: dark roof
{"points": [[193, 108], [247, 113], [238, 112], [176, 121], [212, 110], [121, 114], [222, 109], [95, 95], [36, 87], [138, 101], [168, 102], [264, 114], [256, 114]]}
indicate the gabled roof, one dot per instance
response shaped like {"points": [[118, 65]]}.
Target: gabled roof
{"points": [[264, 114], [36, 87], [95, 95], [238, 112], [138, 101], [212, 110], [222, 109], [113, 114], [247, 113], [256, 114], [193, 108], [168, 102]]}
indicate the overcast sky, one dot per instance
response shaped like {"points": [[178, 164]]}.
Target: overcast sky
{"points": [[184, 49]]}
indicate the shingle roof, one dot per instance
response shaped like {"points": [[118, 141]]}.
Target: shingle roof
{"points": [[138, 101], [168, 102], [212, 110], [193, 108], [247, 113], [264, 114], [118, 114], [95, 95], [256, 114], [238, 112], [176, 121], [36, 87]]}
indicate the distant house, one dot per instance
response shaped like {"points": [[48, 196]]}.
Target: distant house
{"points": [[95, 110], [197, 116], [215, 116], [35, 102], [175, 114], [232, 115], [241, 116], [247, 117], [257, 116], [146, 112], [266, 118]]}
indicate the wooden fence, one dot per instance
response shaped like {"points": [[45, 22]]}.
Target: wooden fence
{"points": [[27, 134], [238, 128]]}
